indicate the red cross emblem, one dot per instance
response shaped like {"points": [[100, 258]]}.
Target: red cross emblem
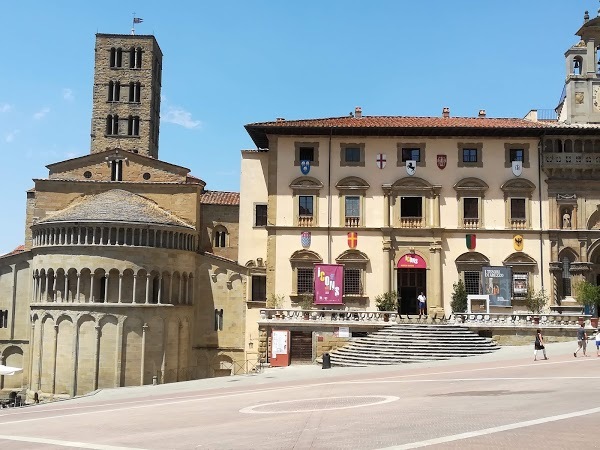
{"points": [[381, 160], [352, 239]]}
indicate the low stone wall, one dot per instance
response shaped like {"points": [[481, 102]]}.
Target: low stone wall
{"points": [[526, 335], [327, 341]]}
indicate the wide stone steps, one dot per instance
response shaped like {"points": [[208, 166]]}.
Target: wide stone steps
{"points": [[399, 344]]}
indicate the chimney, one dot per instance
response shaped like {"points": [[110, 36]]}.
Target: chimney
{"points": [[482, 113], [358, 112], [446, 112], [280, 119]]}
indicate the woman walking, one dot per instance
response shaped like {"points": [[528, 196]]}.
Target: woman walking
{"points": [[539, 344]]}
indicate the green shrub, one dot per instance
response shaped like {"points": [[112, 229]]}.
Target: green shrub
{"points": [[388, 301], [459, 297]]}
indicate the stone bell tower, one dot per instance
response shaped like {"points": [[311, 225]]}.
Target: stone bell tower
{"points": [[126, 98], [581, 99]]}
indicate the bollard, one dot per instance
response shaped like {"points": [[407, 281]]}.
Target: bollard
{"points": [[154, 380], [326, 361]]}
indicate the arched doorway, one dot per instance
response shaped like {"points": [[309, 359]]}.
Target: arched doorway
{"points": [[411, 276]]}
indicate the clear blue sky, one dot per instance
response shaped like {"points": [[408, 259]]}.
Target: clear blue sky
{"points": [[230, 63]]}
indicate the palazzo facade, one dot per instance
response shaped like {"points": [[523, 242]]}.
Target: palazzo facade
{"points": [[413, 204]]}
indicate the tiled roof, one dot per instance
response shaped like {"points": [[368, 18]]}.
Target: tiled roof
{"points": [[395, 126], [220, 198], [19, 249], [403, 122], [115, 205]]}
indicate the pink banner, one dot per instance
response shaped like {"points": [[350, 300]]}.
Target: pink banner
{"points": [[411, 261], [329, 284]]}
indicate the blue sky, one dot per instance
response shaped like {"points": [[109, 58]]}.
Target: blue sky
{"points": [[227, 64]]}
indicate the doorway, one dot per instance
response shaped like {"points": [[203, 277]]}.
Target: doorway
{"points": [[411, 282]]}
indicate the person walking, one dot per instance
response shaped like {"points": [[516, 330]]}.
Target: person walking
{"points": [[539, 344], [598, 342], [581, 340], [421, 299]]}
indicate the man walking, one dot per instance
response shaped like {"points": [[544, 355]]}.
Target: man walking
{"points": [[581, 340]]}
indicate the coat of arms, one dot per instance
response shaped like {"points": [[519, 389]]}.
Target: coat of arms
{"points": [[305, 239], [518, 243], [352, 239], [442, 160], [471, 241], [411, 167], [517, 168], [381, 160], [305, 166]]}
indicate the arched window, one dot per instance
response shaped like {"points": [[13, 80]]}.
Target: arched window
{"points": [[113, 57], [577, 66], [220, 237], [112, 125]]}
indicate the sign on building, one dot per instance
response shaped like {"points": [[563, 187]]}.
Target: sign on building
{"points": [[497, 283], [329, 284]]}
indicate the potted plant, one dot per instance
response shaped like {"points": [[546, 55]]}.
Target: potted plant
{"points": [[306, 303], [388, 301], [274, 301], [535, 301], [459, 298], [588, 294]]}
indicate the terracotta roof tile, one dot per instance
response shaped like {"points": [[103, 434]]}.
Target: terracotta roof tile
{"points": [[19, 249], [220, 198], [403, 122]]}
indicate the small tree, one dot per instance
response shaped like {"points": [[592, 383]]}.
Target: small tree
{"points": [[388, 301], [275, 301], [535, 301], [459, 297], [306, 301], [588, 294]]}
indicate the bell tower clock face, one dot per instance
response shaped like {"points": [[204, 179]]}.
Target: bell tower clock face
{"points": [[596, 98]]}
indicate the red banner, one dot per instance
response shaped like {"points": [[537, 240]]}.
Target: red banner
{"points": [[411, 261]]}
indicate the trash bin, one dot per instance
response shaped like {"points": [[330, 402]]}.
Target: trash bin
{"points": [[326, 361], [154, 380]]}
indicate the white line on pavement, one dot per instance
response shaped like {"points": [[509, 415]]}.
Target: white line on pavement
{"points": [[486, 431], [64, 443]]}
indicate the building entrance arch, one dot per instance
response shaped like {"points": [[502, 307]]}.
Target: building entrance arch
{"points": [[411, 276]]}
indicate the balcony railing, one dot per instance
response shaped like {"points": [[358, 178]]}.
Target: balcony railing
{"points": [[571, 160], [352, 221], [411, 222], [518, 224], [471, 223], [305, 221]]}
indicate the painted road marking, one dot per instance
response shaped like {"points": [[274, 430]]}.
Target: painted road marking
{"points": [[64, 443], [492, 430], [381, 400]]}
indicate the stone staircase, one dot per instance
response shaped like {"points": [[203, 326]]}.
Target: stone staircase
{"points": [[397, 344]]}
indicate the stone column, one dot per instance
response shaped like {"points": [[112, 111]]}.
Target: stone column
{"points": [[66, 296], [75, 358], [160, 283], [97, 357], [147, 288], [40, 355], [179, 299], [436, 208], [387, 266], [387, 189], [31, 338], [91, 297], [120, 287], [54, 358], [133, 299], [143, 360], [191, 296], [119, 353], [78, 286], [574, 217], [435, 301], [106, 278], [48, 287], [170, 299]]}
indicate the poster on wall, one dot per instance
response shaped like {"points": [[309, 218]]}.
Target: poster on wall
{"points": [[520, 284], [279, 345], [329, 284], [497, 283]]}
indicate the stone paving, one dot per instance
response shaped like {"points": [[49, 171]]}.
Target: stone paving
{"points": [[498, 400]]}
